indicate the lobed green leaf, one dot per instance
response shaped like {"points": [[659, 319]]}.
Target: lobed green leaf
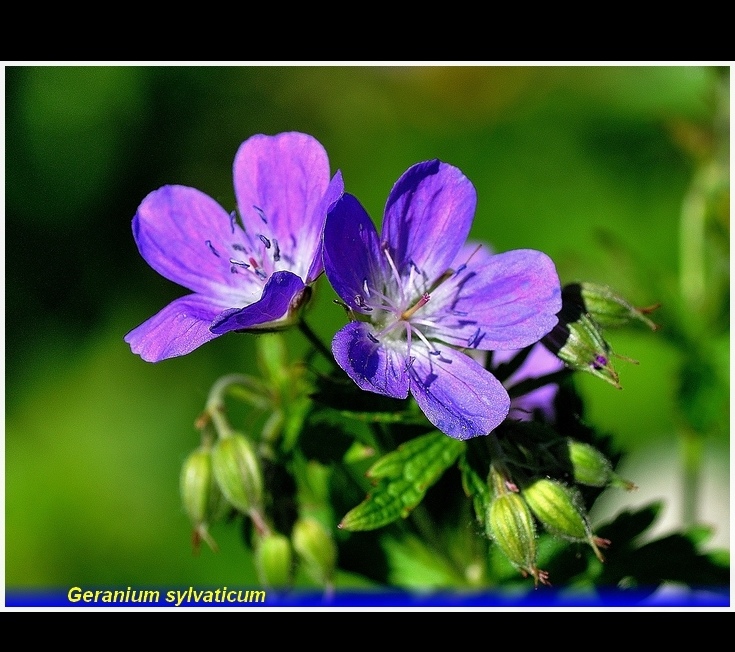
{"points": [[403, 476]]}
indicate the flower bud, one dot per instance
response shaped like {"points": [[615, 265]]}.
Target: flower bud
{"points": [[557, 507], [510, 525], [237, 471], [606, 307], [315, 548], [560, 510], [201, 498], [274, 560], [590, 467], [577, 340]]}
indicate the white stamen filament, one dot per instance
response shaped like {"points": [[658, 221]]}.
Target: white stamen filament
{"points": [[396, 275]]}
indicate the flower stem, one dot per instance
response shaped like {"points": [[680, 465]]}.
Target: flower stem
{"points": [[315, 341], [215, 407]]}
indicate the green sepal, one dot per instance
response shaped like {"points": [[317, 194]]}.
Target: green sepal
{"points": [[403, 477], [589, 466], [578, 341], [274, 560], [237, 470], [607, 307], [511, 526], [559, 508], [315, 548], [201, 497]]}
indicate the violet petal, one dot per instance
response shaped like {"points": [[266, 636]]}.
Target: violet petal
{"points": [[279, 292], [334, 192], [459, 396], [183, 233], [428, 217], [352, 251], [373, 367], [178, 329], [280, 182], [508, 303]]}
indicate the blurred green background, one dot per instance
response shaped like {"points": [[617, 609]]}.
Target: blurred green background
{"points": [[599, 166]]}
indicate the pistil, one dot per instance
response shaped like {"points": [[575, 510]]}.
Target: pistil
{"points": [[407, 314]]}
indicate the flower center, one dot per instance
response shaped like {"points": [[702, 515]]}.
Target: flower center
{"points": [[258, 257]]}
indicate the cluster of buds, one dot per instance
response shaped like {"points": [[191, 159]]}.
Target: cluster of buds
{"points": [[215, 478], [514, 510], [578, 338], [310, 546], [226, 474]]}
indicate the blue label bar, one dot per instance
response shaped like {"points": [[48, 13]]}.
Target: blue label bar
{"points": [[250, 597]]}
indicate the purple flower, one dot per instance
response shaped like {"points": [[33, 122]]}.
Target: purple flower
{"points": [[246, 274], [420, 297]]}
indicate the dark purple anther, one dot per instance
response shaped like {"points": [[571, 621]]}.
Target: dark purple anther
{"points": [[260, 212], [600, 362]]}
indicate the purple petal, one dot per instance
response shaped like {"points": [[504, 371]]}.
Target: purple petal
{"points": [[352, 251], [474, 252], [183, 234], [459, 396], [334, 192], [539, 362], [280, 182], [178, 329], [507, 303], [281, 293], [428, 217], [373, 367]]}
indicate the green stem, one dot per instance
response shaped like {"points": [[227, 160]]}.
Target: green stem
{"points": [[215, 406], [692, 457], [316, 342]]}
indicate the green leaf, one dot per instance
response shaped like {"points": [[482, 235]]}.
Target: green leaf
{"points": [[403, 476], [413, 565]]}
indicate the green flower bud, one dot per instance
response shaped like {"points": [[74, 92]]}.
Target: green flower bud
{"points": [[274, 560], [201, 498], [590, 467], [510, 525], [237, 470], [577, 340], [606, 307], [560, 510], [316, 549]]}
